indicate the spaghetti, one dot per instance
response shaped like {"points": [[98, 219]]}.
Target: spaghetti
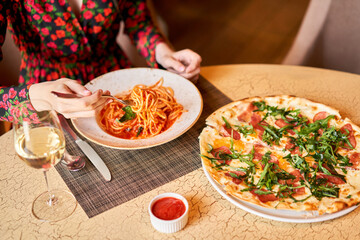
{"points": [[154, 110]]}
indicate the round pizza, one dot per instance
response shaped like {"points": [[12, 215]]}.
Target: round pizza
{"points": [[284, 152]]}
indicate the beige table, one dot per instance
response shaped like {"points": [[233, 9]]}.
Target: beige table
{"points": [[211, 216]]}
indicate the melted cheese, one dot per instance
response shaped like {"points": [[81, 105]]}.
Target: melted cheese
{"points": [[221, 142], [283, 164]]}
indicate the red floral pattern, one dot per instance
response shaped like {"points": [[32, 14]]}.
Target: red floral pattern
{"points": [[55, 44]]}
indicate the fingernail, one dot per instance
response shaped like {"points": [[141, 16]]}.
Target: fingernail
{"points": [[87, 92], [181, 69]]}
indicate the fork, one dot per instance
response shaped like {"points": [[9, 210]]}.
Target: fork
{"points": [[125, 102], [75, 95]]}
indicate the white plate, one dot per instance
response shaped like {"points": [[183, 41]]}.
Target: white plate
{"points": [[274, 214], [119, 81]]}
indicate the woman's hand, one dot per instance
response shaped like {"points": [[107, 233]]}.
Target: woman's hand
{"points": [[69, 107], [185, 62]]}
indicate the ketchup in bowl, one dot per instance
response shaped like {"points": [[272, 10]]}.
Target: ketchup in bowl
{"points": [[168, 208]]}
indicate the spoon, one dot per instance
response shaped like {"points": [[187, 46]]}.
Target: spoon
{"points": [[73, 163], [75, 95]]}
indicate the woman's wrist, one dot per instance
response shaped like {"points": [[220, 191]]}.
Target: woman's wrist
{"points": [[37, 91], [162, 50]]}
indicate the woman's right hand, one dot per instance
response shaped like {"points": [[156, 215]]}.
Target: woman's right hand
{"points": [[69, 107]]}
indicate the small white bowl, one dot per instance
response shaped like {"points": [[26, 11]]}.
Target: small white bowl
{"points": [[169, 226]]}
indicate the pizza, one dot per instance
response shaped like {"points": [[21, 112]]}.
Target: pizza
{"points": [[284, 152]]}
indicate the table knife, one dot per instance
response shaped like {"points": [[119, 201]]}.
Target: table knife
{"points": [[87, 150]]}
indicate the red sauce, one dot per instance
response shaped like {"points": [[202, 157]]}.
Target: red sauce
{"points": [[168, 208], [129, 134]]}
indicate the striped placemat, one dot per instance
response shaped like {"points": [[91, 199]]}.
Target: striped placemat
{"points": [[135, 172]]}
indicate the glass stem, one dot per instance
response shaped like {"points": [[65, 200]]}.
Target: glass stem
{"points": [[50, 201]]}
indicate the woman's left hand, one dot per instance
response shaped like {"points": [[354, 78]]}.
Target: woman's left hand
{"points": [[184, 62]]}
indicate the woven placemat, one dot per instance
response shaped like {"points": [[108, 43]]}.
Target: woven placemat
{"points": [[135, 172]]}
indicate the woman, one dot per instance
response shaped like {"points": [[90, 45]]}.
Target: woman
{"points": [[61, 40]]}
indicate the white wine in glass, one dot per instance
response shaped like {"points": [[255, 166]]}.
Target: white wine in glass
{"points": [[42, 148], [40, 143]]}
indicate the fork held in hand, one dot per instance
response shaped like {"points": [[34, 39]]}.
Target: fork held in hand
{"points": [[75, 95], [125, 102]]}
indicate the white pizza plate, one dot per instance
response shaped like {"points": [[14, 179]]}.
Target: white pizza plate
{"points": [[275, 214], [119, 81]]}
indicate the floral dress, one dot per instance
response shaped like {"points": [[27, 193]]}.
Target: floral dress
{"points": [[54, 43]]}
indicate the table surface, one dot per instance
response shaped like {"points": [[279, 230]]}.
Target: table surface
{"points": [[211, 216]]}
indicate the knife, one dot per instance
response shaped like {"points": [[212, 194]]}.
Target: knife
{"points": [[87, 150]]}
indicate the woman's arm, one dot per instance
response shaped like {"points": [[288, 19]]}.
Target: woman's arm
{"points": [[84, 106], [150, 43], [69, 107], [9, 96], [140, 28]]}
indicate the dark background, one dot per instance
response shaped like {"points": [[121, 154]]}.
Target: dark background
{"points": [[233, 31]]}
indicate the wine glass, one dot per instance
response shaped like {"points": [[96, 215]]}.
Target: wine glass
{"points": [[40, 143]]}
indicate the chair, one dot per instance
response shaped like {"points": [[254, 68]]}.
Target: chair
{"points": [[9, 70], [329, 37]]}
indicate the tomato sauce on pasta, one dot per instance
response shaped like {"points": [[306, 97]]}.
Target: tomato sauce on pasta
{"points": [[154, 110]]}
